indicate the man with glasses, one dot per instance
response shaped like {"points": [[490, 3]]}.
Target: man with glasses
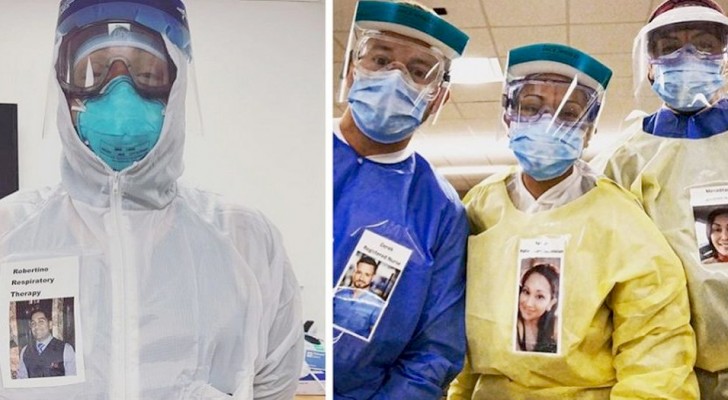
{"points": [[396, 72], [181, 294], [674, 159]]}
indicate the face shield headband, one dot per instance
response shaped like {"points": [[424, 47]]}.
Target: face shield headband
{"points": [[167, 17]]}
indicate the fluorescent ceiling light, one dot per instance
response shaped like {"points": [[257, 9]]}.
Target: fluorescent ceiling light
{"points": [[475, 70]]}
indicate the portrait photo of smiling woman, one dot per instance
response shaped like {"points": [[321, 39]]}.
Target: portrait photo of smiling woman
{"points": [[716, 228], [538, 297]]}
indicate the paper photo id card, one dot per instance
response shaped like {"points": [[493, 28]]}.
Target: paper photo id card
{"points": [[367, 283], [710, 209], [537, 322], [42, 343]]}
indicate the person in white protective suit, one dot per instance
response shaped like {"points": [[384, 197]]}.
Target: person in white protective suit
{"points": [[673, 160], [176, 293], [572, 292]]}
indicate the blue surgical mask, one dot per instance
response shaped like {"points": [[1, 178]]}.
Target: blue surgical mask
{"points": [[119, 125], [384, 107], [688, 83], [545, 152]]}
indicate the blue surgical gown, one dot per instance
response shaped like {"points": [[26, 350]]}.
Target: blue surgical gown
{"points": [[419, 344], [707, 123], [357, 314]]}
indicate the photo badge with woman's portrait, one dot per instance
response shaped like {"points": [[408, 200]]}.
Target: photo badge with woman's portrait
{"points": [[367, 283], [710, 209], [537, 322]]}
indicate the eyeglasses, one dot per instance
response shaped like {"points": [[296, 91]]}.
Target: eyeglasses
{"points": [[527, 100], [423, 66]]}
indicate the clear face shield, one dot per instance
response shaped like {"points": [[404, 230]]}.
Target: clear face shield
{"points": [[394, 81], [89, 58], [549, 118], [138, 65], [682, 62], [116, 78]]}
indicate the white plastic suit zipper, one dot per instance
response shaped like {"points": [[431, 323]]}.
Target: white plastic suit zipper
{"points": [[118, 329]]}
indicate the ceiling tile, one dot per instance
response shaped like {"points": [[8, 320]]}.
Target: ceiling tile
{"points": [[620, 64], [655, 3], [451, 149], [461, 13], [475, 93], [339, 110], [336, 72], [339, 43], [343, 14], [480, 44], [613, 38], [649, 104], [620, 87], [612, 121], [525, 12], [445, 128], [502, 60], [434, 157], [483, 110], [508, 38], [589, 12], [490, 127], [449, 112]]}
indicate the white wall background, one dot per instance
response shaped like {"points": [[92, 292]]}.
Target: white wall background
{"points": [[260, 77]]}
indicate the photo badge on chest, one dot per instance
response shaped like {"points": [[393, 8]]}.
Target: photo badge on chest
{"points": [[41, 344], [367, 284], [539, 294], [710, 210]]}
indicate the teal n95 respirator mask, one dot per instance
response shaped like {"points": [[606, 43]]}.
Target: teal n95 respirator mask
{"points": [[119, 125]]}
